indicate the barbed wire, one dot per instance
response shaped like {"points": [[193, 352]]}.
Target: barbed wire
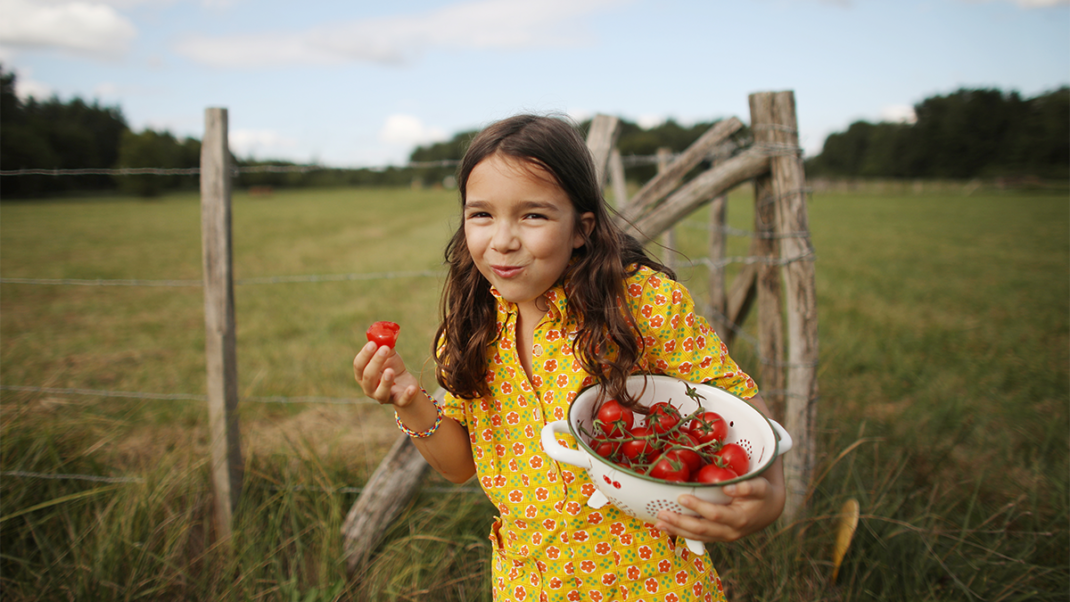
{"points": [[239, 281], [721, 151], [141, 480], [755, 259], [184, 396]]}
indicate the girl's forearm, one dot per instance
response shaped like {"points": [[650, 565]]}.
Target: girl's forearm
{"points": [[448, 450]]}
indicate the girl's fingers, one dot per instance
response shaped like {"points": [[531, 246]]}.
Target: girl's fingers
{"points": [[719, 522]]}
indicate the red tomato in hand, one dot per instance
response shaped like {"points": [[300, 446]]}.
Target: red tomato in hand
{"points": [[735, 457], [662, 417], [615, 419], [709, 426], [671, 467], [384, 333], [712, 473]]}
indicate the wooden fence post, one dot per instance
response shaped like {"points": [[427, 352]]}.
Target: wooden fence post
{"points": [[776, 132], [770, 306], [668, 238], [220, 353], [601, 139], [717, 246], [385, 495], [616, 178]]}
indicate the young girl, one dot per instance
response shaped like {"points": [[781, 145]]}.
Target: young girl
{"points": [[545, 296]]}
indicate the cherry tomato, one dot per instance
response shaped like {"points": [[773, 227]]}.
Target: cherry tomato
{"points": [[639, 448], [615, 419], [662, 417], [687, 452], [735, 457], [712, 473], [670, 467], [709, 426], [384, 333], [604, 448]]}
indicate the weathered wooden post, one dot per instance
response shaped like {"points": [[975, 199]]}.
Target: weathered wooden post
{"points": [[384, 496], [220, 353], [770, 307], [717, 249], [601, 139], [616, 178], [668, 238], [776, 131]]}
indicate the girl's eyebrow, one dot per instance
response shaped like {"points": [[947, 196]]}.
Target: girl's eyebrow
{"points": [[523, 205]]}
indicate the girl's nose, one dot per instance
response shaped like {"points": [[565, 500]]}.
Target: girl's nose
{"points": [[505, 238]]}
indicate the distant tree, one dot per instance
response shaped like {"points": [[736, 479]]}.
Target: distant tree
{"points": [[451, 150], [966, 134], [55, 135], [155, 149]]}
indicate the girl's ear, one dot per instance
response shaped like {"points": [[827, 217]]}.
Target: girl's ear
{"points": [[587, 224]]}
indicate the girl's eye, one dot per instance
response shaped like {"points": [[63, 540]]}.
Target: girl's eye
{"points": [[477, 214], [534, 216]]}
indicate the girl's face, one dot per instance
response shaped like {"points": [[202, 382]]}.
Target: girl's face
{"points": [[520, 227]]}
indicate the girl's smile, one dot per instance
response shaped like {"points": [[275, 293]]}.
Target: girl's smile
{"points": [[520, 227]]}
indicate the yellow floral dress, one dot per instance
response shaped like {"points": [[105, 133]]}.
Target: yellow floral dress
{"points": [[548, 544]]}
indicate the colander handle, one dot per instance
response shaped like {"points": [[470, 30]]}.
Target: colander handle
{"points": [[784, 444], [559, 452]]}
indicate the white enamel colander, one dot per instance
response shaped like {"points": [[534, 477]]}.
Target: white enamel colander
{"points": [[640, 496]]}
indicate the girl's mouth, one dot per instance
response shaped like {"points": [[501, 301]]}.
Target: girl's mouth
{"points": [[506, 271]]}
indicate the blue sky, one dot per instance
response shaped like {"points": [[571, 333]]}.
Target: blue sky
{"points": [[362, 83]]}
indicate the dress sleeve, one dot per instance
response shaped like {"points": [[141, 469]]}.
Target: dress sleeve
{"points": [[678, 341], [454, 407]]}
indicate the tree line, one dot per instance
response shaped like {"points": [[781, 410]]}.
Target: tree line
{"points": [[971, 133], [967, 134]]}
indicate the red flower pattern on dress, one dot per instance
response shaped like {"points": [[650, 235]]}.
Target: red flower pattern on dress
{"points": [[665, 566], [651, 585], [588, 566]]}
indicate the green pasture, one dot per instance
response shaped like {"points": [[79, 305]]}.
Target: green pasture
{"points": [[944, 396]]}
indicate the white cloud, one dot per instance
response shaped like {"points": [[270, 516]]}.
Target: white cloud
{"points": [[259, 143], [25, 88], [81, 27], [650, 121], [408, 130], [475, 24], [898, 114]]}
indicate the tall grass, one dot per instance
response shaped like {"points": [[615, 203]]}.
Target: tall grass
{"points": [[945, 346]]}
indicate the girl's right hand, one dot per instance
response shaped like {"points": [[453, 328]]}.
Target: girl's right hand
{"points": [[381, 372]]}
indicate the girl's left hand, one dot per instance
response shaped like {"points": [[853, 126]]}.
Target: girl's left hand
{"points": [[755, 504]]}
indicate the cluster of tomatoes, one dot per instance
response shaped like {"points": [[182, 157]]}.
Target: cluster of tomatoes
{"points": [[668, 445]]}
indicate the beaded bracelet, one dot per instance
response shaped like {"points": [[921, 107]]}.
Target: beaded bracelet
{"points": [[421, 434]]}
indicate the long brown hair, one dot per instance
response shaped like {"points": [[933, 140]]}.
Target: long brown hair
{"points": [[608, 344]]}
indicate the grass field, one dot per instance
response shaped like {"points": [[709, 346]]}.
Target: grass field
{"points": [[944, 409]]}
